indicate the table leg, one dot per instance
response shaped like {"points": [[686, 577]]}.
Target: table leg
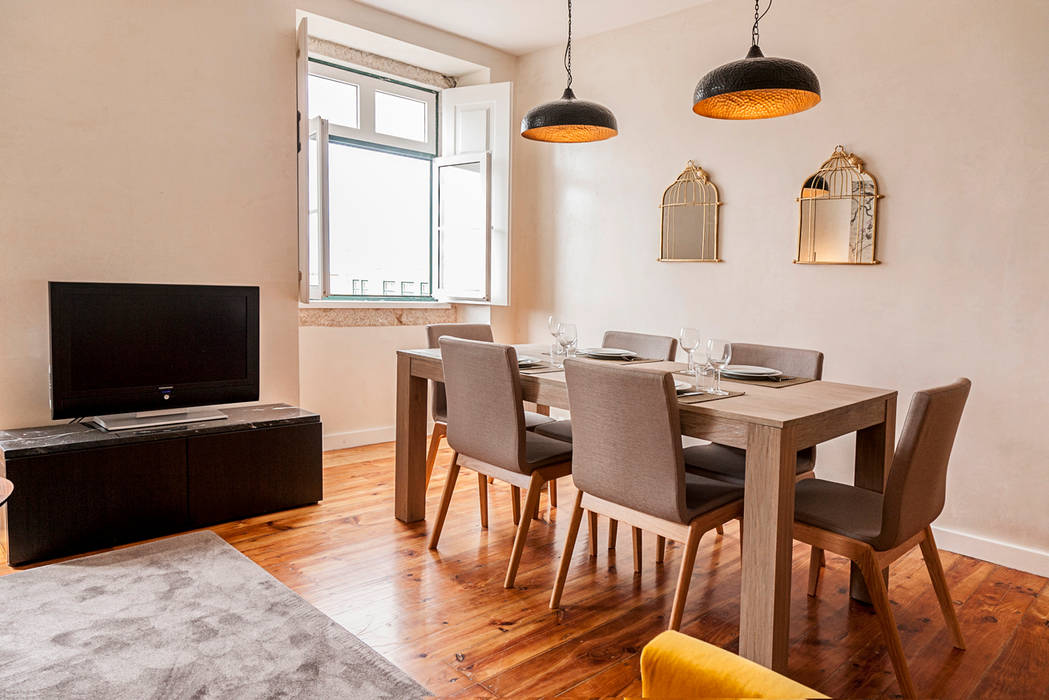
{"points": [[874, 449], [410, 473], [768, 514]]}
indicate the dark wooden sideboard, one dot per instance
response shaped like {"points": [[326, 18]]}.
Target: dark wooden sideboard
{"points": [[78, 489]]}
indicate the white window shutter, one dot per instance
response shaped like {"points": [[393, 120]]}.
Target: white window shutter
{"points": [[477, 119], [303, 141]]}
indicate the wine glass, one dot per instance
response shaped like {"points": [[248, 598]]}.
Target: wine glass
{"points": [[567, 336], [689, 339], [552, 324], [719, 352]]}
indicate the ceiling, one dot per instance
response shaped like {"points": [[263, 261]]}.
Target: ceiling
{"points": [[519, 27]]}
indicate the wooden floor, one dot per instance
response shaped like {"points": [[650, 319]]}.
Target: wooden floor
{"points": [[445, 618]]}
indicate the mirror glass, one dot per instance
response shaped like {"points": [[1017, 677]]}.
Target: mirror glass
{"points": [[838, 213], [689, 226]]}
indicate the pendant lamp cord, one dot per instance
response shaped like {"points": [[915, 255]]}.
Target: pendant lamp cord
{"points": [[568, 47], [758, 16]]}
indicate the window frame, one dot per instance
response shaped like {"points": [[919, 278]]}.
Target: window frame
{"points": [[364, 136]]}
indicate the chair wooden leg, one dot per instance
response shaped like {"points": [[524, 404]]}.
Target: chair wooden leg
{"points": [[684, 579], [872, 576], [720, 530], [552, 486], [613, 533], [482, 497], [439, 431], [515, 503], [814, 569], [939, 583], [566, 555], [740, 521], [638, 540], [531, 501], [591, 529], [446, 499], [661, 548], [542, 409]]}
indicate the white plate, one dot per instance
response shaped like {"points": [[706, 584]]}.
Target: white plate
{"points": [[751, 371], [528, 361], [681, 386], [608, 352]]}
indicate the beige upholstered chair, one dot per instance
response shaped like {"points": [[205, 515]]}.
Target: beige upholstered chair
{"points": [[729, 463], [875, 530], [469, 331], [486, 429], [627, 465], [645, 345]]}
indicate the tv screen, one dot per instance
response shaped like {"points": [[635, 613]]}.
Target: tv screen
{"points": [[119, 348]]}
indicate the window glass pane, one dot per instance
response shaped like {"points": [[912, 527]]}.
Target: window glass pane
{"points": [[380, 220], [314, 221], [400, 116], [333, 100], [462, 228]]}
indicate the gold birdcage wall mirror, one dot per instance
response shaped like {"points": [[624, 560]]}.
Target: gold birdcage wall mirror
{"points": [[838, 213], [689, 218]]}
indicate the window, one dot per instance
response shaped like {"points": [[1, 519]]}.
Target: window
{"points": [[372, 147], [398, 200]]}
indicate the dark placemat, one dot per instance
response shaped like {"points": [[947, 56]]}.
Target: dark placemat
{"points": [[703, 398], [777, 383], [636, 361]]}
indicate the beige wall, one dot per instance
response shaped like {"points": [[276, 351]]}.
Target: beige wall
{"points": [[154, 142], [144, 142], [945, 100]]}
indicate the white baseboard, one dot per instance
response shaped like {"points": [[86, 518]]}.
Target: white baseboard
{"points": [[1014, 556], [356, 438]]}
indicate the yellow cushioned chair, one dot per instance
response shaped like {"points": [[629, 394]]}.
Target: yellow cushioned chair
{"points": [[674, 665]]}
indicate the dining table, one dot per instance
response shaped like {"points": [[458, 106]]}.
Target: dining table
{"points": [[770, 422]]}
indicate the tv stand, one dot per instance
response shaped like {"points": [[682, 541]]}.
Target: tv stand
{"points": [[79, 489], [155, 419]]}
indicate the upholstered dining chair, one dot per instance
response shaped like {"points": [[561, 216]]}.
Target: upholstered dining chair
{"points": [[655, 347], [486, 430], [439, 406], [627, 465], [726, 463], [874, 529]]}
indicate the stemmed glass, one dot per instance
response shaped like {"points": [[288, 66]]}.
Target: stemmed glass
{"points": [[552, 324], [689, 339], [567, 336], [719, 352]]}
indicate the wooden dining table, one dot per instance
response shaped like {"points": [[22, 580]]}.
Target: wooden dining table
{"points": [[771, 423]]}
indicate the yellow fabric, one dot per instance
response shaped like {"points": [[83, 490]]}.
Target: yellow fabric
{"points": [[674, 665]]}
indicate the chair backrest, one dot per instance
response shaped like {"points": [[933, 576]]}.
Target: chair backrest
{"points": [[626, 437], [917, 482], [655, 347], [470, 331], [791, 361], [485, 413]]}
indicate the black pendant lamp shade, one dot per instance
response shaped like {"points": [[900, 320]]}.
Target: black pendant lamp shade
{"points": [[756, 87], [569, 120]]}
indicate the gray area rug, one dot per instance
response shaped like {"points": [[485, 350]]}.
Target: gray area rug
{"points": [[188, 616]]}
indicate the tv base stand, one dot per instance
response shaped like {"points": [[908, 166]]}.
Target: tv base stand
{"points": [[155, 419], [79, 489]]}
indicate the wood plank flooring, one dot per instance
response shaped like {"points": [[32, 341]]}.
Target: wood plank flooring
{"points": [[445, 618]]}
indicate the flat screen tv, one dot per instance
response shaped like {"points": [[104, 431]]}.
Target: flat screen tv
{"points": [[120, 348]]}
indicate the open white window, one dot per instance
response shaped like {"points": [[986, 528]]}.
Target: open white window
{"points": [[382, 217], [462, 227]]}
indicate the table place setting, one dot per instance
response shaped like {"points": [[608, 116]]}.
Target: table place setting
{"points": [[765, 376], [689, 393]]}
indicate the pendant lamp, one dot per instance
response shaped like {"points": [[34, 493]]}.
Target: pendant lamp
{"points": [[569, 120], [756, 87]]}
